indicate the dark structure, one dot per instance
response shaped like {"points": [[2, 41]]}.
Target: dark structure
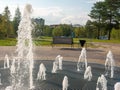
{"points": [[62, 40], [82, 42]]}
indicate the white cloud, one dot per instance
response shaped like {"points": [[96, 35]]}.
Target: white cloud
{"points": [[76, 19], [54, 11], [54, 15], [93, 1]]}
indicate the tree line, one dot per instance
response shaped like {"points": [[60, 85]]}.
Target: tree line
{"points": [[105, 18], [8, 27], [104, 23]]}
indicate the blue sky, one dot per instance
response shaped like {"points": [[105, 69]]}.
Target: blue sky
{"points": [[54, 11]]}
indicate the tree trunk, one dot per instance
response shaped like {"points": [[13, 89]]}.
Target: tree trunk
{"points": [[98, 29], [109, 34]]}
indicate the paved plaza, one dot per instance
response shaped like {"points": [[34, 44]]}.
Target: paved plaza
{"points": [[94, 55]]}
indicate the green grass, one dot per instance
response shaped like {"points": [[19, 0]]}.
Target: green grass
{"points": [[8, 42], [106, 41], [46, 41]]}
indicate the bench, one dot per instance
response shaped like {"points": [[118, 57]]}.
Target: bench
{"points": [[62, 40]]}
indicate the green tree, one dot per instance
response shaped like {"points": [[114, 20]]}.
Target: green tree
{"points": [[77, 32], [67, 29], [2, 31], [8, 27], [47, 31], [115, 34], [80, 32], [39, 26], [106, 12], [91, 30], [112, 15], [16, 20], [57, 31], [96, 13]]}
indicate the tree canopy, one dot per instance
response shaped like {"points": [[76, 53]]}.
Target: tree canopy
{"points": [[106, 12]]}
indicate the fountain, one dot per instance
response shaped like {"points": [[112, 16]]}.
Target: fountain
{"points": [[22, 65], [82, 62], [42, 72], [101, 83], [65, 83], [88, 73], [109, 64], [6, 61], [22, 73]]}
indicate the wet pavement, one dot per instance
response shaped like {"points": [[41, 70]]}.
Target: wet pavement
{"points": [[94, 55]]}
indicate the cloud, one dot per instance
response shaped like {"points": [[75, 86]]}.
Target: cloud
{"points": [[76, 19], [56, 15], [53, 11], [93, 1], [52, 15]]}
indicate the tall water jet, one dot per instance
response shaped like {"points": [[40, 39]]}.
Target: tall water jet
{"points": [[109, 64], [42, 72], [24, 58], [101, 83], [6, 62], [82, 62], [65, 83], [88, 73]]}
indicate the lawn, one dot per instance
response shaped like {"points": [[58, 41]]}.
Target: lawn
{"points": [[47, 41]]}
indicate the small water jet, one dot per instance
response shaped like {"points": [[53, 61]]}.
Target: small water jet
{"points": [[65, 83], [6, 62], [57, 64], [55, 67], [9, 88], [101, 83], [60, 63], [88, 73], [0, 79], [117, 86], [12, 68], [109, 65], [82, 62], [42, 72]]}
